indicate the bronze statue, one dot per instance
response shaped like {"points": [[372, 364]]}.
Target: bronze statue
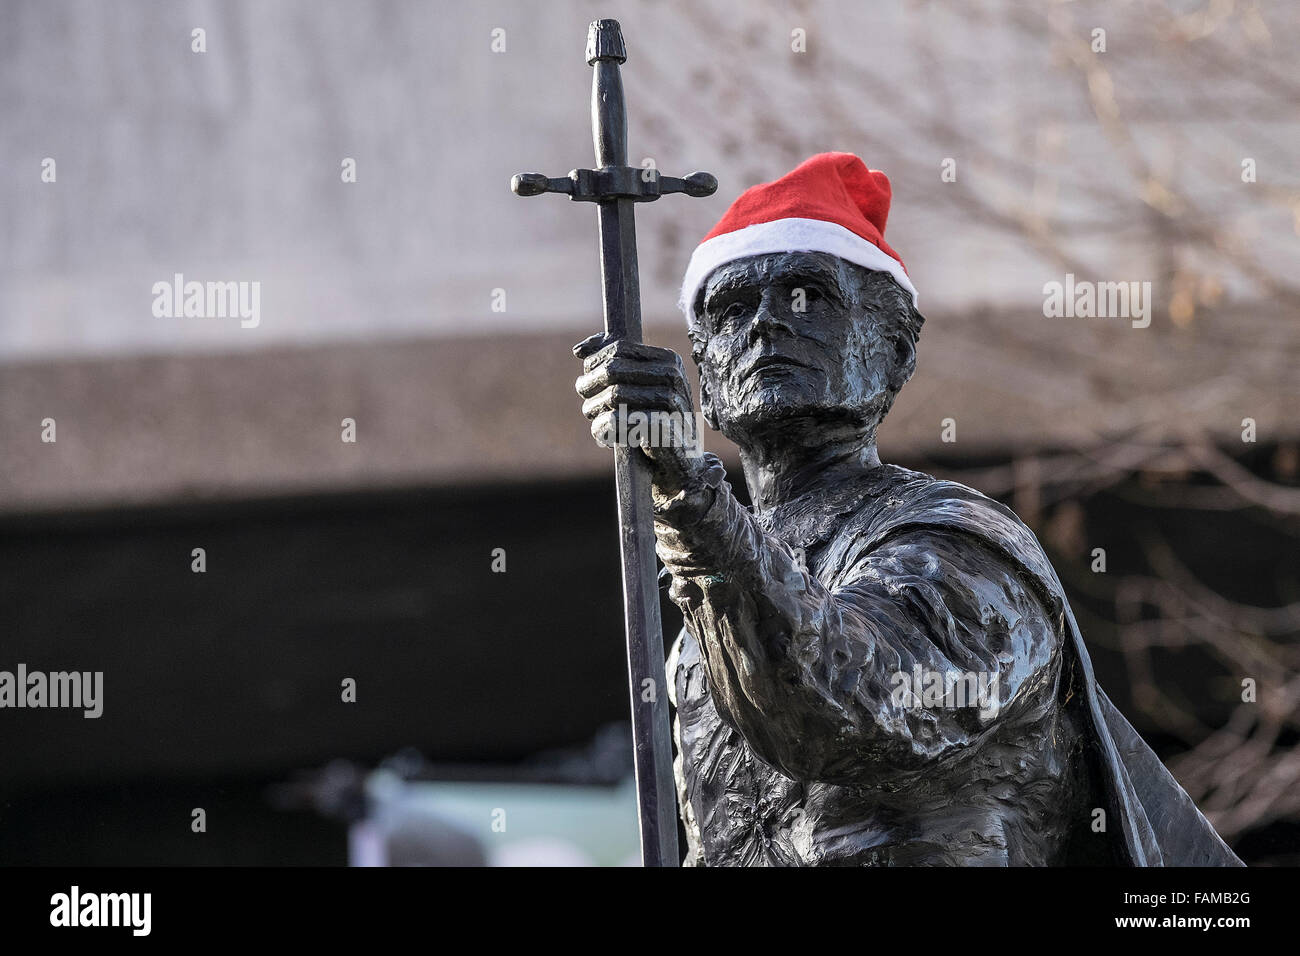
{"points": [[878, 667]]}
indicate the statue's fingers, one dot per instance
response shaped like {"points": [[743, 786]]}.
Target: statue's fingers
{"points": [[604, 428], [600, 403], [621, 371], [590, 345], [633, 351], [627, 399], [641, 352]]}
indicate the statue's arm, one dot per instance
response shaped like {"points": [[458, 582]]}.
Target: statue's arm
{"points": [[809, 676]]}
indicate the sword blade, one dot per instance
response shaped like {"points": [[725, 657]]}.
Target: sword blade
{"points": [[656, 796]]}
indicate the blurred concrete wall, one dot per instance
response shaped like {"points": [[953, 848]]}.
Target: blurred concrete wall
{"points": [[226, 165]]}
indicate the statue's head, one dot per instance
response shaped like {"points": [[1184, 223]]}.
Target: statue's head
{"points": [[808, 345], [802, 340]]}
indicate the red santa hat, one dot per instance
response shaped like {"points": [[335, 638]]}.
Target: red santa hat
{"points": [[830, 203]]}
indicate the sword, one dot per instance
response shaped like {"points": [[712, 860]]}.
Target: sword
{"points": [[614, 187]]}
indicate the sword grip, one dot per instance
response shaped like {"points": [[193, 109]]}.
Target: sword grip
{"points": [[605, 53]]}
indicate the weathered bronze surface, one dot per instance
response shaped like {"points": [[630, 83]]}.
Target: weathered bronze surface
{"points": [[811, 619]]}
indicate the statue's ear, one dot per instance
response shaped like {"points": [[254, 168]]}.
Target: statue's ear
{"points": [[904, 362], [907, 330]]}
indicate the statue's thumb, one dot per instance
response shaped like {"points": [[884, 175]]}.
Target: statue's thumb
{"points": [[590, 345]]}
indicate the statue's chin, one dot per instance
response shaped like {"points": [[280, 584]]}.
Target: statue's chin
{"points": [[775, 403], [772, 411]]}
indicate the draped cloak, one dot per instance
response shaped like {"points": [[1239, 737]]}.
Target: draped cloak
{"points": [[1152, 820]]}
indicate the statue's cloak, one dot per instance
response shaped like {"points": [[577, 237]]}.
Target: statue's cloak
{"points": [[1152, 819]]}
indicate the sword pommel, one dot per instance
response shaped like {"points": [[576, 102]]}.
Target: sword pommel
{"points": [[605, 42]]}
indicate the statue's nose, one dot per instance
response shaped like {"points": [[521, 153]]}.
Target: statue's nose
{"points": [[773, 315]]}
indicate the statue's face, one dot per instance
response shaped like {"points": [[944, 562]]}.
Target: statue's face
{"points": [[799, 337]]}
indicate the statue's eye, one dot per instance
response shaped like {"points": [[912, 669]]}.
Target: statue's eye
{"points": [[807, 297], [732, 311]]}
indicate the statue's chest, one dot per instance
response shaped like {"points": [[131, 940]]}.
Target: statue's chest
{"points": [[744, 811], [826, 531], [747, 813]]}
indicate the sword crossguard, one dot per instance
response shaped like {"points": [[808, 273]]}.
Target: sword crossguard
{"points": [[697, 185], [639, 184], [534, 184]]}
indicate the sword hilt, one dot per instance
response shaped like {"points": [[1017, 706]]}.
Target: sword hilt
{"points": [[614, 179]]}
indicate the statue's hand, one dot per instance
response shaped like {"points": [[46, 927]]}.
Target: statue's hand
{"points": [[638, 395]]}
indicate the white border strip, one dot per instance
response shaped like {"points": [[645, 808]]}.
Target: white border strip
{"points": [[786, 235]]}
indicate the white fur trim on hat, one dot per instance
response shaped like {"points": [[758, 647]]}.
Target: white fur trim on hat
{"points": [[786, 235]]}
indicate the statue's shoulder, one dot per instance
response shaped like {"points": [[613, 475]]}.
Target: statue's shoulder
{"points": [[913, 500]]}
